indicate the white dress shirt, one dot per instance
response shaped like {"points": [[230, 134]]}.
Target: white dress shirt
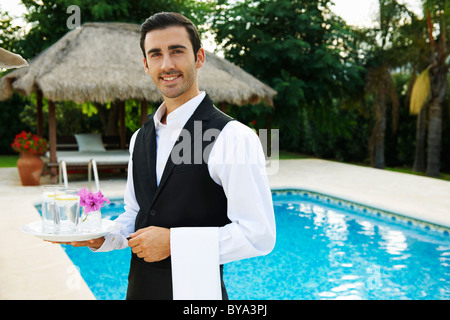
{"points": [[237, 163]]}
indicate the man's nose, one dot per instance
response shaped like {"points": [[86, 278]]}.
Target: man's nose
{"points": [[167, 64]]}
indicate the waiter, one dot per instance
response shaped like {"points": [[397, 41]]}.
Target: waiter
{"points": [[196, 187]]}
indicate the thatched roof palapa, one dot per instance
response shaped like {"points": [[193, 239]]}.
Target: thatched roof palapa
{"points": [[9, 60], [102, 62]]}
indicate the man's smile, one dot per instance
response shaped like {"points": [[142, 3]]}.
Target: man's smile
{"points": [[170, 78]]}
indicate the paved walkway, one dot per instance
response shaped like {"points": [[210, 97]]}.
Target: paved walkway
{"points": [[33, 269], [29, 267]]}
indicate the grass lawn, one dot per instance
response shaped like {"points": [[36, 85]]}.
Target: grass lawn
{"points": [[444, 176], [286, 155], [8, 161]]}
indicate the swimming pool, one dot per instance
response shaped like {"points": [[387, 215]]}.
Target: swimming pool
{"points": [[326, 249]]}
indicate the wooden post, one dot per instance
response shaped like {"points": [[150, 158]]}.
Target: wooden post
{"points": [[143, 111], [123, 132], [52, 139], [223, 107], [40, 123]]}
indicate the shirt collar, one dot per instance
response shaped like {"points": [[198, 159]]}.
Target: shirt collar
{"points": [[180, 115]]}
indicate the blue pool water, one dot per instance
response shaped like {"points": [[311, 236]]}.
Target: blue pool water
{"points": [[326, 249]]}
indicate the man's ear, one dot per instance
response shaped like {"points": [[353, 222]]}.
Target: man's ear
{"points": [[200, 58], [145, 66]]}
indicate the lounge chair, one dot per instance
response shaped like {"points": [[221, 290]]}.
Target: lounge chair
{"points": [[91, 153]]}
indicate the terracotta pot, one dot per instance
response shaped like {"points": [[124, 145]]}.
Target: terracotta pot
{"points": [[30, 167]]}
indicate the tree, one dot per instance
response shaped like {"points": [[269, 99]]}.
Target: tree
{"points": [[387, 50], [433, 86], [417, 51], [438, 72], [48, 17], [8, 32], [48, 21], [9, 113], [381, 85], [302, 50]]}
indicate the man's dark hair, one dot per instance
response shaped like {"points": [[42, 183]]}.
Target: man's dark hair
{"points": [[163, 20]]}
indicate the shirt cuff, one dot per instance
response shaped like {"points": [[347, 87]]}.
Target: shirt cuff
{"points": [[112, 241]]}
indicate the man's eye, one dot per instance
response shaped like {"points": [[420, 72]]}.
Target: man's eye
{"points": [[155, 54]]}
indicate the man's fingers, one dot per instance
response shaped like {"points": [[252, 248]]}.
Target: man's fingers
{"points": [[136, 249], [151, 243], [133, 242], [96, 243], [133, 239], [138, 232], [82, 243]]}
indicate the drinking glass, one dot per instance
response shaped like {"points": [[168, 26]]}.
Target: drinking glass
{"points": [[90, 222], [67, 206], [48, 208]]}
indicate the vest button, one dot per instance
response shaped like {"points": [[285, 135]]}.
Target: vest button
{"points": [[152, 212]]}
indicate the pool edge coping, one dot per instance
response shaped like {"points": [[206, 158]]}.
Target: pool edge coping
{"points": [[388, 212]]}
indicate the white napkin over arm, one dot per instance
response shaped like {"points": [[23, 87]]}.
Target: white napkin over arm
{"points": [[195, 263]]}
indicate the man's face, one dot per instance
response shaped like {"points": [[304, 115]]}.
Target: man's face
{"points": [[170, 61]]}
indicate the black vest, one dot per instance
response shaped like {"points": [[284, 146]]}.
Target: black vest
{"points": [[186, 196]]}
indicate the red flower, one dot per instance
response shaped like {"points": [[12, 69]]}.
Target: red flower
{"points": [[29, 142]]}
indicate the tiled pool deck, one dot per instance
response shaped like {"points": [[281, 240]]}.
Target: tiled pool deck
{"points": [[33, 269]]}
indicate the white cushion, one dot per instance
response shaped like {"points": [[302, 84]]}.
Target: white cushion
{"points": [[88, 142]]}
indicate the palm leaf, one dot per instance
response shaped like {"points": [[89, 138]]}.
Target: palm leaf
{"points": [[420, 92]]}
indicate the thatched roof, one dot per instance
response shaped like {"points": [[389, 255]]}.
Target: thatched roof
{"points": [[9, 60], [103, 61]]}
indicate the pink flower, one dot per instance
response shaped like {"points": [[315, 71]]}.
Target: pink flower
{"points": [[91, 205], [83, 193], [100, 198], [91, 201]]}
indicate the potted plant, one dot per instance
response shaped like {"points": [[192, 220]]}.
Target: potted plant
{"points": [[30, 164]]}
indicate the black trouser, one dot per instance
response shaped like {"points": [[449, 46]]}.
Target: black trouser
{"points": [[153, 281]]}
